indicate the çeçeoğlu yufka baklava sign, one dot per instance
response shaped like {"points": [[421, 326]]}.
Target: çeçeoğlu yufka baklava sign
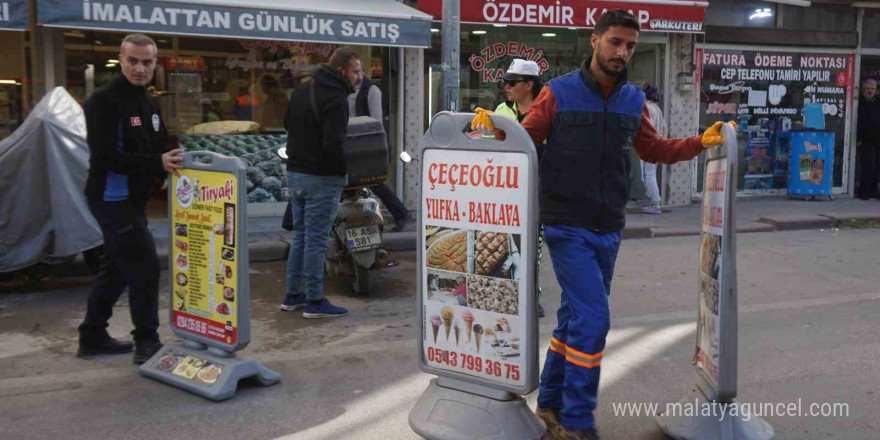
{"points": [[205, 283]]}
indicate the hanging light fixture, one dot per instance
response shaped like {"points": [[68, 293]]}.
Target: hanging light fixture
{"points": [[761, 13]]}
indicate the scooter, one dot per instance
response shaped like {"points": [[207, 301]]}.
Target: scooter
{"points": [[356, 236]]}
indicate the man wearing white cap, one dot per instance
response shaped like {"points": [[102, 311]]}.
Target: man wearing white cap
{"points": [[521, 82]]}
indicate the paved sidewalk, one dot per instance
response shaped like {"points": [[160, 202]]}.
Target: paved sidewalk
{"points": [[269, 242]]}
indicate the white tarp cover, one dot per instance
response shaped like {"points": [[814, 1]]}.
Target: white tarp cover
{"points": [[43, 169]]}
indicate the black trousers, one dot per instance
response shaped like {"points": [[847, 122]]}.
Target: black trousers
{"points": [[394, 205], [869, 160], [129, 260]]}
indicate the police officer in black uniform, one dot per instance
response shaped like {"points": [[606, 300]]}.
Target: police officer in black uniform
{"points": [[127, 140]]}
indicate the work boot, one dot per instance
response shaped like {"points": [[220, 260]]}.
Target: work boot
{"points": [[550, 416], [581, 434], [105, 345], [145, 350]]}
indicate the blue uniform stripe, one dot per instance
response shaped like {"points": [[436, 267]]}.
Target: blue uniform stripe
{"points": [[116, 188]]}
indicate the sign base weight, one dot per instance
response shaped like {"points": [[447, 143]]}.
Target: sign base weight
{"points": [[718, 422], [444, 413], [212, 375]]}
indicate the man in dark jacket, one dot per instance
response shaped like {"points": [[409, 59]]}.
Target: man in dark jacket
{"points": [[591, 119], [127, 140], [869, 140], [316, 122]]}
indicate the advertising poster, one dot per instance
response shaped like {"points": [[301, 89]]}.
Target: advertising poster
{"points": [[773, 93], [189, 367], [474, 284], [204, 220], [712, 241]]}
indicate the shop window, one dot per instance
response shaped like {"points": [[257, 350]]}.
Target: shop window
{"points": [[830, 18], [772, 95], [870, 29], [741, 13]]}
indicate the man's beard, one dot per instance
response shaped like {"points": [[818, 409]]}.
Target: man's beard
{"points": [[605, 67]]}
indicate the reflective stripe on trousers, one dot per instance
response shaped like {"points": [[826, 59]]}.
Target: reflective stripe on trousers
{"points": [[584, 265]]}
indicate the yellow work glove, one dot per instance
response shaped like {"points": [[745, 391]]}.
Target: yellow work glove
{"points": [[482, 123], [712, 135]]}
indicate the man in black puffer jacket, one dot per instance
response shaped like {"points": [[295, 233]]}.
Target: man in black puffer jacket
{"points": [[316, 122], [128, 144]]}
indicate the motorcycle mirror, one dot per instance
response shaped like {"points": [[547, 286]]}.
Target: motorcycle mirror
{"points": [[405, 157], [282, 152]]}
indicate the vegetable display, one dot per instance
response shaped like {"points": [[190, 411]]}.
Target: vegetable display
{"points": [[266, 173]]}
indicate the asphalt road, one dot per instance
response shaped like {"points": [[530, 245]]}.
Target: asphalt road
{"points": [[809, 302]]}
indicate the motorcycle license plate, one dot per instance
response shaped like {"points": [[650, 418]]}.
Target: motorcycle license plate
{"points": [[362, 238]]}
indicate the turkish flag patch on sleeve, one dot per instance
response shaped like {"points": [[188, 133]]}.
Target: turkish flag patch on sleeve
{"points": [[136, 121]]}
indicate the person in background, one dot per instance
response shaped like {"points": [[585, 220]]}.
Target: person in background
{"points": [[209, 111], [367, 101], [868, 140], [316, 175], [649, 170], [245, 105], [590, 118], [274, 104], [522, 82], [128, 145]]}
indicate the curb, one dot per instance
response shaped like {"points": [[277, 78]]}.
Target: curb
{"points": [[269, 247]]}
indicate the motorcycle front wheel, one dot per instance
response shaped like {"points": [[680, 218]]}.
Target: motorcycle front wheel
{"points": [[362, 280]]}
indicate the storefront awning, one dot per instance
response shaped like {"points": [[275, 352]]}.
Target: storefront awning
{"points": [[368, 22], [654, 15], [13, 15]]}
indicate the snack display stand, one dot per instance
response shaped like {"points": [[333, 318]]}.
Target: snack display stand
{"points": [[477, 317], [715, 357], [210, 283]]}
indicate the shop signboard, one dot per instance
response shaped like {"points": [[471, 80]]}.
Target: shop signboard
{"points": [[487, 61], [477, 246], [667, 16], [14, 15], [210, 284], [772, 93], [184, 63], [183, 18]]}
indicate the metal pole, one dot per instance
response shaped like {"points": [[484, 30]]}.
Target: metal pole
{"points": [[449, 94]]}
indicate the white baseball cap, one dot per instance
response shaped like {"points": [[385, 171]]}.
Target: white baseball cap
{"points": [[520, 67]]}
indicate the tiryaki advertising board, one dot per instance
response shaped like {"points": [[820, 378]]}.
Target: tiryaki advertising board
{"points": [[209, 281], [205, 252], [715, 355], [477, 250]]}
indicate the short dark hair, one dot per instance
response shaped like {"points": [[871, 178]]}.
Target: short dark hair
{"points": [[138, 40], [616, 17], [341, 58]]}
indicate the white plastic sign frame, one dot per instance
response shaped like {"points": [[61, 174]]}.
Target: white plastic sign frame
{"points": [[446, 138], [719, 205]]}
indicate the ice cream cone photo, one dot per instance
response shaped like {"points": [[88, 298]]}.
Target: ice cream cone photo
{"points": [[468, 318], [457, 332], [435, 325], [446, 314], [478, 335]]}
